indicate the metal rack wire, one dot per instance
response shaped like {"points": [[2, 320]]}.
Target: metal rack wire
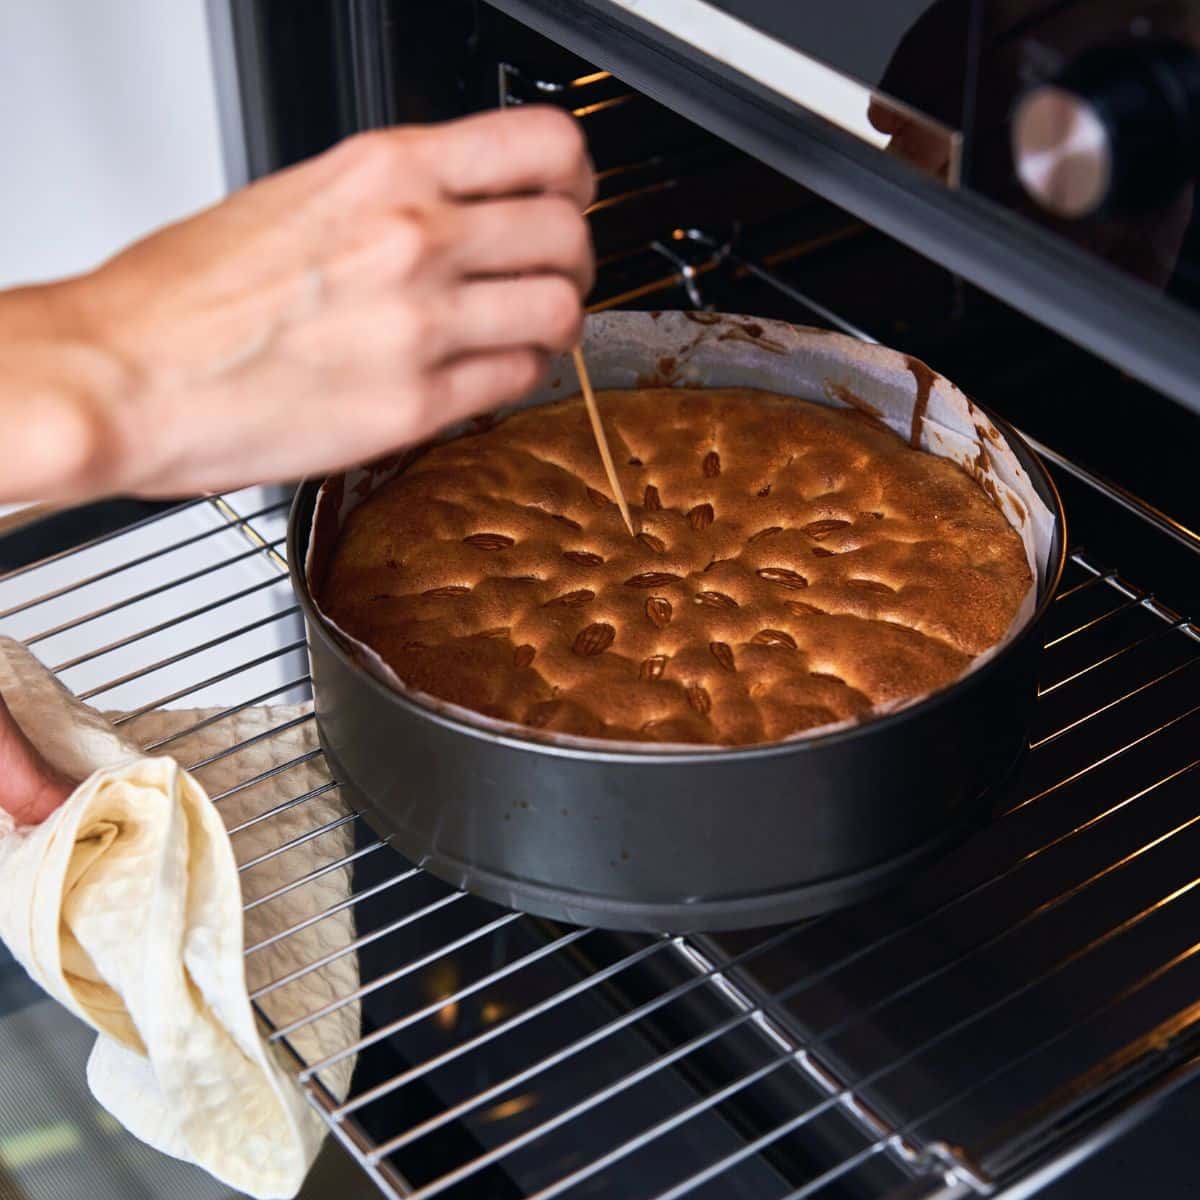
{"points": [[531, 1031]]}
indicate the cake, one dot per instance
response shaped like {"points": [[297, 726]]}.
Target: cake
{"points": [[795, 565]]}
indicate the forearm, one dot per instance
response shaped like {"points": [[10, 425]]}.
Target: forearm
{"points": [[61, 397]]}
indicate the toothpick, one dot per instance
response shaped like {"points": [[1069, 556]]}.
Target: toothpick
{"points": [[589, 398]]}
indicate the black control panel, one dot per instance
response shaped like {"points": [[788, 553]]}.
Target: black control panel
{"points": [[1117, 132]]}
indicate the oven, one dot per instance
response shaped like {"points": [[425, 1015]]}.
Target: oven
{"points": [[1001, 188]]}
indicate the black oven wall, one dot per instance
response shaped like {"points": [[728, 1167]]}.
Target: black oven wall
{"points": [[313, 72]]}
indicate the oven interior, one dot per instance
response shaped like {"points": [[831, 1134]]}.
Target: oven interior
{"points": [[978, 1031]]}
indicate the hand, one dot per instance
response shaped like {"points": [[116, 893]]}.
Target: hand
{"points": [[30, 789], [323, 316]]}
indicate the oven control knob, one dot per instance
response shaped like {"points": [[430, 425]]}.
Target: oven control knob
{"points": [[1117, 132]]}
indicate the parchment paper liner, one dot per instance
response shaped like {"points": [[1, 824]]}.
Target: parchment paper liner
{"points": [[699, 349]]}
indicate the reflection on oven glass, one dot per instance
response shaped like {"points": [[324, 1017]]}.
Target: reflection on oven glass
{"points": [[796, 59]]}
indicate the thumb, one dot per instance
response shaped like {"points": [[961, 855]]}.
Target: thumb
{"points": [[30, 789]]}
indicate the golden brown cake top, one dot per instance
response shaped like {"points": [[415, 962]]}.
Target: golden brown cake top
{"points": [[796, 565]]}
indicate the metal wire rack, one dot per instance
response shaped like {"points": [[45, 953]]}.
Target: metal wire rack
{"points": [[1041, 976]]}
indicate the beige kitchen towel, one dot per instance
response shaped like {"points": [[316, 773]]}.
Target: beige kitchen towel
{"points": [[126, 905]]}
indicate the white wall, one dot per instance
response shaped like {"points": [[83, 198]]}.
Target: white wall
{"points": [[108, 128]]}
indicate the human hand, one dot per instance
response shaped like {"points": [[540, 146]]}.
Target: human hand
{"points": [[336, 311], [30, 789]]}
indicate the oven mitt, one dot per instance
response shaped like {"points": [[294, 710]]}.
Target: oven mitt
{"points": [[126, 905]]}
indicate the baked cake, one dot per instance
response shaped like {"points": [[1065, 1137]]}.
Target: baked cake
{"points": [[795, 565]]}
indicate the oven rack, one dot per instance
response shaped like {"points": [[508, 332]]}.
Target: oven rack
{"points": [[628, 186], [787, 1063], [709, 969]]}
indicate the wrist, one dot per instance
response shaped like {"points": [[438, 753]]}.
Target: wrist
{"points": [[63, 400]]}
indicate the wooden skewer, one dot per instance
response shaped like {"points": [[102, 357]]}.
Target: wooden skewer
{"points": [[589, 398]]}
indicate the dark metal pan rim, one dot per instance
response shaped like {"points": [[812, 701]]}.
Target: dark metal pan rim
{"points": [[913, 712]]}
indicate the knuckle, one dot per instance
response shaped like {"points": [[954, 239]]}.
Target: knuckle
{"points": [[569, 225], [435, 327], [403, 327], [527, 369], [376, 161], [509, 375], [372, 148], [559, 132], [582, 255], [418, 417], [378, 252], [411, 240], [561, 312], [591, 187]]}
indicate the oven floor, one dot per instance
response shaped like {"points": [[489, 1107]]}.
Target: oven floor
{"points": [[1161, 1153], [56, 1143]]}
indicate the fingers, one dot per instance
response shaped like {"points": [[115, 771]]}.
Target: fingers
{"points": [[543, 311], [391, 252], [405, 337], [529, 235], [387, 419], [923, 148], [480, 382], [884, 117], [534, 151], [538, 234], [510, 152]]}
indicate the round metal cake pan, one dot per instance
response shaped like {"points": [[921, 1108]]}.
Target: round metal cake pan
{"points": [[716, 839]]}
